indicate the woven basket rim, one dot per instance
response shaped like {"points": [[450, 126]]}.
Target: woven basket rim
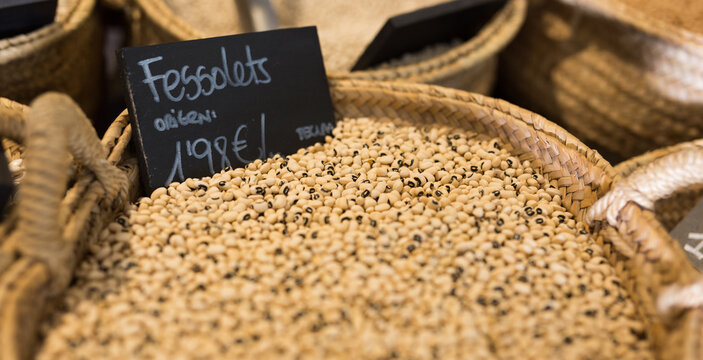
{"points": [[493, 37], [21, 45], [537, 122], [588, 158], [162, 15], [566, 63], [632, 16]]}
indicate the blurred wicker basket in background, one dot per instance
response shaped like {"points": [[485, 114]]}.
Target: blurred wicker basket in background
{"points": [[345, 28], [616, 76], [65, 56]]}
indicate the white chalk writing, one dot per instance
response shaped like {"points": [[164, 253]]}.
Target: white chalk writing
{"points": [[695, 250], [175, 84], [173, 119], [202, 148], [311, 131]]}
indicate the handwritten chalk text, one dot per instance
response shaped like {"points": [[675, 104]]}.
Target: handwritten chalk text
{"points": [[311, 131], [173, 120], [202, 148], [177, 84], [695, 250]]}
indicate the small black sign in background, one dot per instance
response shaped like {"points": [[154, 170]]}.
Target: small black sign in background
{"points": [[689, 234], [22, 16], [200, 106], [414, 31], [6, 183]]}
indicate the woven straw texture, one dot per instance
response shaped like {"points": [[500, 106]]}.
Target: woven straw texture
{"points": [[670, 211], [162, 21], [64, 56], [615, 77], [345, 28], [57, 211], [674, 172]]}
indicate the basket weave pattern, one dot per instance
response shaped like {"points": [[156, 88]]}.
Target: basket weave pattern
{"points": [[469, 66], [670, 211], [43, 237], [65, 56], [621, 86], [650, 182]]}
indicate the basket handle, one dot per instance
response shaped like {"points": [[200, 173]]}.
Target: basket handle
{"points": [[659, 179], [56, 127]]}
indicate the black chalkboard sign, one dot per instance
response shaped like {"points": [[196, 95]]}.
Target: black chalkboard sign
{"points": [[6, 184], [414, 31], [22, 16], [689, 234], [200, 106]]}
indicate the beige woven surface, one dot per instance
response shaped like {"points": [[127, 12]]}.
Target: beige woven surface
{"points": [[673, 173], [161, 21], [467, 66], [64, 56], [671, 210], [211, 17], [624, 88], [44, 234], [645, 21], [685, 14], [344, 29]]}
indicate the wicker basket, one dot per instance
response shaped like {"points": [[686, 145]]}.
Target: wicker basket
{"points": [[619, 80], [57, 211], [670, 210], [580, 173], [65, 56], [469, 66]]}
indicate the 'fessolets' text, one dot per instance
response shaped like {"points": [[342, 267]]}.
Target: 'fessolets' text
{"points": [[177, 84]]}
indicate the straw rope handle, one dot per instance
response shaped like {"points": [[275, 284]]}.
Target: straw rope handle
{"points": [[657, 180], [55, 127]]}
